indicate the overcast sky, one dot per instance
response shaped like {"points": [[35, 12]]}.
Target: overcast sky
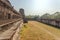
{"points": [[37, 7]]}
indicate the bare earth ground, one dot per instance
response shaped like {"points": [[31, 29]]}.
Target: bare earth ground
{"points": [[39, 31]]}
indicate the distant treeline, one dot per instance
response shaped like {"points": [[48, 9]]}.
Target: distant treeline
{"points": [[32, 17], [56, 15]]}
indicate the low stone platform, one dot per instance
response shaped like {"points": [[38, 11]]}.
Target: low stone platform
{"points": [[12, 33]]}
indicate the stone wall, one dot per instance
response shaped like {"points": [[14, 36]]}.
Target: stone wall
{"points": [[12, 33]]}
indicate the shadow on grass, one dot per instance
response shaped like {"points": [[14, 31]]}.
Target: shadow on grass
{"points": [[25, 26]]}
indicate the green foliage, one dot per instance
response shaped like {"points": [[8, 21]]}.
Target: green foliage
{"points": [[45, 16], [32, 16], [53, 16], [56, 15]]}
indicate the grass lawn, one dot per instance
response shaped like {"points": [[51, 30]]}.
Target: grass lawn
{"points": [[37, 31]]}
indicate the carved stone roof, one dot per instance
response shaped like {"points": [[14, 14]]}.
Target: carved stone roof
{"points": [[7, 2]]}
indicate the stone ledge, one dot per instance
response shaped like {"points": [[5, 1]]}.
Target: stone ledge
{"points": [[8, 34]]}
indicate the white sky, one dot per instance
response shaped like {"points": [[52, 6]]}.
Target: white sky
{"points": [[37, 7]]}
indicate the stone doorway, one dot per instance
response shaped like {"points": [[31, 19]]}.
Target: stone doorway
{"points": [[9, 16]]}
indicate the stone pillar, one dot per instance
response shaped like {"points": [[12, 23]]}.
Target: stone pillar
{"points": [[2, 10]]}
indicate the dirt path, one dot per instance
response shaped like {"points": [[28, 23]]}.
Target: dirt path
{"points": [[38, 31]]}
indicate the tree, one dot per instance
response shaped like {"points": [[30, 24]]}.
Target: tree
{"points": [[45, 16], [56, 15]]}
